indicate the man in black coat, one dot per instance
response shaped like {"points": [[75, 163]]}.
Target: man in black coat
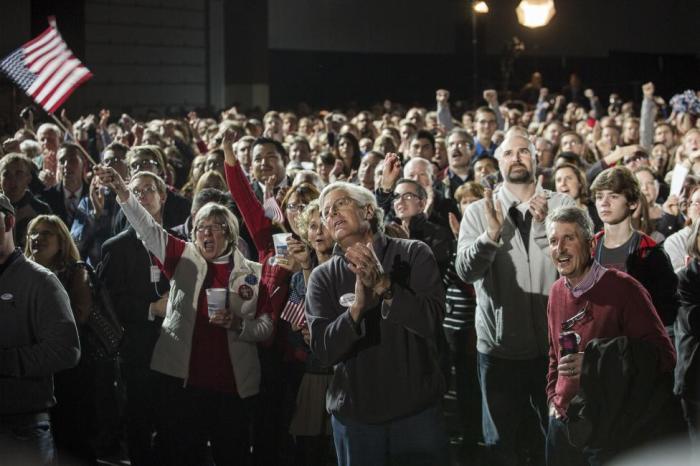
{"points": [[64, 198]]}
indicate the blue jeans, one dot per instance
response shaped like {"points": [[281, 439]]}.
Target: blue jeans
{"points": [[514, 407], [412, 441], [559, 452], [26, 439]]}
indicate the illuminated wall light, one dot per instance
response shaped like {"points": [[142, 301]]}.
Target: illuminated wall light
{"points": [[481, 7], [535, 13]]}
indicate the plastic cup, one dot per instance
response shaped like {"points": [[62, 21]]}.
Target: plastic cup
{"points": [[280, 242], [216, 299]]}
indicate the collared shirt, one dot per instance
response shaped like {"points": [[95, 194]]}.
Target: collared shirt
{"points": [[595, 273], [283, 184], [480, 151]]}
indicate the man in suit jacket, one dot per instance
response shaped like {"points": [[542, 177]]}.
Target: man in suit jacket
{"points": [[72, 189]]}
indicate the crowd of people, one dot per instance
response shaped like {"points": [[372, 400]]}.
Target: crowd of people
{"points": [[299, 288]]}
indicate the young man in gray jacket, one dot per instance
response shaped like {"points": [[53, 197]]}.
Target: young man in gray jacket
{"points": [[503, 250], [38, 337]]}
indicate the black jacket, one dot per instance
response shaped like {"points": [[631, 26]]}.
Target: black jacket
{"points": [[649, 264], [440, 240], [624, 401], [55, 198], [688, 333], [125, 271]]}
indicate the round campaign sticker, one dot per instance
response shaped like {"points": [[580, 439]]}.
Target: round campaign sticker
{"points": [[347, 300], [251, 279], [245, 292]]}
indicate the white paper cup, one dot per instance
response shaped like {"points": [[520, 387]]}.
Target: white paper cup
{"points": [[280, 242], [216, 299]]}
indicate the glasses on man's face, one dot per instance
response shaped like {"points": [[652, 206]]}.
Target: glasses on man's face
{"points": [[138, 164], [406, 197], [140, 192], [213, 228], [295, 207], [342, 203]]}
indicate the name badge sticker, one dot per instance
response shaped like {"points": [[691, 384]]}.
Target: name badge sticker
{"points": [[7, 297]]}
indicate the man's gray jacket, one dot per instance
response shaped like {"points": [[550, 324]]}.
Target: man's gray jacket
{"points": [[512, 283]]}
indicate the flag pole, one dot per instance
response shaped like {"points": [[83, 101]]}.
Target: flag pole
{"points": [[77, 143]]}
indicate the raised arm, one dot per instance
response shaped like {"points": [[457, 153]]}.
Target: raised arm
{"points": [[259, 226], [479, 238], [154, 237]]}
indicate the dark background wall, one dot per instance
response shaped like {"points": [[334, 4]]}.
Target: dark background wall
{"points": [[160, 55]]}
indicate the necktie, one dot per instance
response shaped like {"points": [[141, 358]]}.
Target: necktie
{"points": [[522, 224]]}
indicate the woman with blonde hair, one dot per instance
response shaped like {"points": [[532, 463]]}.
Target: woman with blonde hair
{"points": [[206, 355], [50, 244]]}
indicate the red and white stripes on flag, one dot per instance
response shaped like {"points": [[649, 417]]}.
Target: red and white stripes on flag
{"points": [[46, 69], [294, 312]]}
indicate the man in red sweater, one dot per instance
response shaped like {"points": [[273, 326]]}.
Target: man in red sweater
{"points": [[592, 302]]}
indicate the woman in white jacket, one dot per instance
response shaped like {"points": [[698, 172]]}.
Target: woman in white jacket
{"points": [[207, 360]]}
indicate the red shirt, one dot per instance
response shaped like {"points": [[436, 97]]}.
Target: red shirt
{"points": [[618, 305], [210, 363]]}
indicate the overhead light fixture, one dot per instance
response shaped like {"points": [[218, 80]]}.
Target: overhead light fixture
{"points": [[480, 7], [535, 13]]}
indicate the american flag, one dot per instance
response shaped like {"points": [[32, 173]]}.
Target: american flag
{"points": [[293, 311], [273, 210], [46, 69]]}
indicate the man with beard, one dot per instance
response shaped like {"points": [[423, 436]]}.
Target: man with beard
{"points": [[502, 249]]}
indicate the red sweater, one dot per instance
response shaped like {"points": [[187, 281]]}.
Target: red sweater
{"points": [[274, 278], [618, 305]]}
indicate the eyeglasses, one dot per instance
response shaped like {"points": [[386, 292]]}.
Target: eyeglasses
{"points": [[298, 207], [462, 144], [136, 164], [214, 227], [407, 197], [339, 204], [139, 193]]}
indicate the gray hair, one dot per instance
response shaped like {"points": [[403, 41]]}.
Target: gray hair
{"points": [[571, 214], [222, 214], [362, 196], [419, 161], [30, 147], [50, 127]]}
